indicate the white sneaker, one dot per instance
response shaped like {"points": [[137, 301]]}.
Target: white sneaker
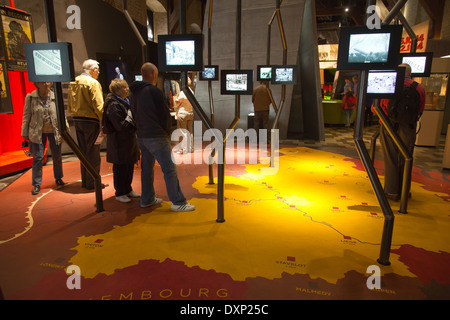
{"points": [[156, 201], [182, 207], [123, 199], [133, 194]]}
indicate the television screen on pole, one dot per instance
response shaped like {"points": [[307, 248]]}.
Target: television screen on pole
{"points": [[284, 75], [264, 73], [361, 48], [180, 52], [420, 63], [209, 73], [385, 84], [236, 82], [49, 62]]}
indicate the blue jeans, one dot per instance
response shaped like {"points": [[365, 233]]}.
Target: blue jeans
{"points": [[37, 151], [158, 149]]}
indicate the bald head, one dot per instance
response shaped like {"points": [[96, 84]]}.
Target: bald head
{"points": [[149, 72], [407, 69]]}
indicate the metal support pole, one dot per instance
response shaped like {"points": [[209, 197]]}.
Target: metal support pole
{"points": [[135, 31], [395, 10], [210, 93], [51, 25], [407, 27], [375, 181], [407, 170], [273, 134]]}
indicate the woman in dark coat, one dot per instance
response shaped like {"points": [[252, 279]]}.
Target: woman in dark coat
{"points": [[121, 148]]}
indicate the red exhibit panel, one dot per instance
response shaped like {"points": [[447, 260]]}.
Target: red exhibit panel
{"points": [[12, 155]]}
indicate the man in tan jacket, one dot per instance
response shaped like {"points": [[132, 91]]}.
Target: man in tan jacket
{"points": [[85, 104]]}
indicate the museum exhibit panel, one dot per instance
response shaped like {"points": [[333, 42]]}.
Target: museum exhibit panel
{"points": [[301, 215]]}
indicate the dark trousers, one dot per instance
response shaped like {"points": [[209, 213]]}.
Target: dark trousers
{"points": [[394, 162], [123, 177], [87, 134]]}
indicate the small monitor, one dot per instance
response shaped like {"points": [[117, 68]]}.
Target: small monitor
{"points": [[264, 73], [385, 84], [236, 82], [210, 73], [50, 62], [419, 62], [180, 52], [284, 75], [361, 48], [138, 77]]}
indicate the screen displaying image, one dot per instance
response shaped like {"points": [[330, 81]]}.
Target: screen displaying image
{"points": [[284, 74], [265, 73], [382, 82], [209, 73], [236, 82], [47, 62], [417, 64], [180, 52], [369, 48]]}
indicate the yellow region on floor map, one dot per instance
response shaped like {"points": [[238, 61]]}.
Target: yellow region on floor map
{"points": [[317, 210]]}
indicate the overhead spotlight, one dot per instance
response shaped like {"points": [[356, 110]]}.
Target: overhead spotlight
{"points": [[347, 9]]}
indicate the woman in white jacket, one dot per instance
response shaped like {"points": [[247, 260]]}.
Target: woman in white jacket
{"points": [[40, 123]]}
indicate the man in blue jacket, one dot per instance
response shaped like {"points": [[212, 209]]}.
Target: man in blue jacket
{"points": [[153, 123]]}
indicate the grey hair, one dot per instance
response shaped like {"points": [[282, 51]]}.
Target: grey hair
{"points": [[90, 64]]}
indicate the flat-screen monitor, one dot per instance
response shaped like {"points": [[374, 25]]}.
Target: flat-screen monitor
{"points": [[236, 82], [419, 62], [180, 52], [264, 73], [284, 75], [209, 73], [361, 48], [385, 84], [50, 62]]}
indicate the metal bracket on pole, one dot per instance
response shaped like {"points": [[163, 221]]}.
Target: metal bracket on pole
{"points": [[51, 25]]}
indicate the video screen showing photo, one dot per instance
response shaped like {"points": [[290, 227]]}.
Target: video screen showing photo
{"points": [[265, 73], [417, 64], [284, 74], [180, 53], [236, 82], [47, 62], [209, 73], [369, 48], [382, 82]]}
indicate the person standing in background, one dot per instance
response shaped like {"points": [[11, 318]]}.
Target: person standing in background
{"points": [[85, 104], [39, 124]]}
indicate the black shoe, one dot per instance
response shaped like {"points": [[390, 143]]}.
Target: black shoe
{"points": [[59, 183], [36, 190]]}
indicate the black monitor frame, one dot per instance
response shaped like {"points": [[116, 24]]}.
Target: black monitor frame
{"points": [[67, 66], [399, 84], [391, 62], [275, 81], [223, 82], [258, 72], [216, 73], [198, 52], [428, 62]]}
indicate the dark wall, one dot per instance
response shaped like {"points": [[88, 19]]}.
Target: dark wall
{"points": [[109, 37]]}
